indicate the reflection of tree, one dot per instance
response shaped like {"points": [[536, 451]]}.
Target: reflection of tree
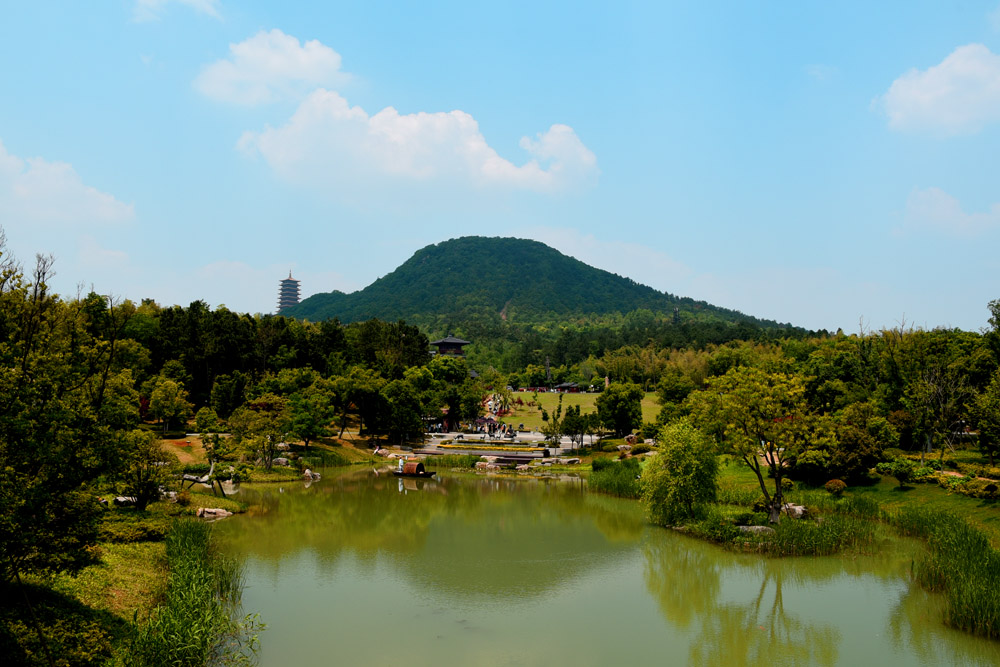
{"points": [[687, 581], [466, 536]]}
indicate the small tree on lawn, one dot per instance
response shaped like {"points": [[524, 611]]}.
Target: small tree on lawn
{"points": [[681, 478]]}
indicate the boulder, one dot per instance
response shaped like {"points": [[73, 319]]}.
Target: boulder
{"points": [[283, 446], [124, 501], [280, 461], [794, 511], [481, 465], [524, 466], [310, 476], [209, 512], [624, 448], [569, 462], [760, 530]]}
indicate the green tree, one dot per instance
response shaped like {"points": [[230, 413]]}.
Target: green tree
{"points": [[986, 415], [620, 407], [145, 468], [168, 402], [206, 421], [574, 424], [63, 404], [311, 412], [681, 477], [260, 426], [763, 419], [902, 469], [404, 415]]}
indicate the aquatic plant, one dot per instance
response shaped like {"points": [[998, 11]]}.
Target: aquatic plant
{"points": [[197, 622], [617, 478]]}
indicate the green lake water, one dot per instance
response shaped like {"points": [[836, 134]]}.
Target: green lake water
{"points": [[359, 569]]}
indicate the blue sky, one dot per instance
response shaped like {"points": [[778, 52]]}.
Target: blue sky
{"points": [[825, 164]]}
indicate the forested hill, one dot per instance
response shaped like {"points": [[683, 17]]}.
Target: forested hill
{"points": [[515, 280]]}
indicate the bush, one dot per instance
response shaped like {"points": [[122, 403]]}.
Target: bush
{"points": [[902, 469], [835, 487], [682, 477], [787, 484], [641, 448], [452, 461]]}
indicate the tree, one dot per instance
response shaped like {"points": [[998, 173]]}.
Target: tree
{"points": [[403, 418], [681, 477], [902, 469], [986, 415], [574, 424], [144, 468], [761, 418], [620, 407], [311, 412], [168, 402], [63, 402], [206, 421], [260, 425]]}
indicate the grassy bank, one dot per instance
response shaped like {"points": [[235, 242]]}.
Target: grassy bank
{"points": [[197, 622]]}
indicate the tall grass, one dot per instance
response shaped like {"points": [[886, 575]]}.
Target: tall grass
{"points": [[197, 623], [961, 564], [452, 461], [617, 478]]}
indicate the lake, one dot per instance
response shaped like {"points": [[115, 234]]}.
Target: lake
{"points": [[364, 569]]}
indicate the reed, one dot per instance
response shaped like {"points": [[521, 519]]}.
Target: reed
{"points": [[452, 461], [961, 564], [197, 623], [616, 478]]}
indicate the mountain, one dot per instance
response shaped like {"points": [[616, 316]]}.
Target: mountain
{"points": [[515, 280]]}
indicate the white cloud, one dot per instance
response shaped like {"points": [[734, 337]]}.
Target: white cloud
{"points": [[269, 66], [958, 96], [37, 192], [330, 144], [933, 208], [151, 10]]}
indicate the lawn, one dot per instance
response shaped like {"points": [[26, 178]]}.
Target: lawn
{"points": [[531, 416]]}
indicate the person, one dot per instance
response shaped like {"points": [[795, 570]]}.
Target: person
{"points": [[400, 464]]}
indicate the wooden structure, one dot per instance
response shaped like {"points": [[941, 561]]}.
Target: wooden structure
{"points": [[412, 469], [450, 345]]}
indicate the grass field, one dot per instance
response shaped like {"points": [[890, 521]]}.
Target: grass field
{"points": [[531, 416]]}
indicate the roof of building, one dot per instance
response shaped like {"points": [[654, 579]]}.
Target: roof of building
{"points": [[450, 340]]}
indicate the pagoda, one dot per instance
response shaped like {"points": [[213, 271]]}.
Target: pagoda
{"points": [[288, 293], [450, 345]]}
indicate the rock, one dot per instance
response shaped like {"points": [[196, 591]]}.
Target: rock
{"points": [[124, 501], [481, 465], [207, 512], [761, 530], [794, 511], [283, 446], [524, 466], [624, 448], [309, 475], [280, 461], [569, 462], [491, 459]]}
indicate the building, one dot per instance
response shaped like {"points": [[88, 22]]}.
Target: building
{"points": [[288, 293], [450, 345]]}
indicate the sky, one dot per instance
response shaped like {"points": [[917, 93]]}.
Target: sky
{"points": [[831, 165]]}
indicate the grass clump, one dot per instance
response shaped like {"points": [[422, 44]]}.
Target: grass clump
{"points": [[616, 478], [197, 622], [452, 461], [961, 564]]}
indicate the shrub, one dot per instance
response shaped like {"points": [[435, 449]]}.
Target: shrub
{"points": [[835, 487], [787, 484], [452, 461], [642, 448], [682, 477], [902, 469]]}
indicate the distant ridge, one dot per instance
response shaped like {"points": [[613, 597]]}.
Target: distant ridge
{"points": [[516, 280]]}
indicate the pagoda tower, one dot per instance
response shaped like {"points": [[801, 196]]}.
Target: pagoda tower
{"points": [[288, 293]]}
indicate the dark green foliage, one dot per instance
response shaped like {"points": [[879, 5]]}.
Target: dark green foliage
{"points": [[902, 469], [74, 634], [130, 525], [616, 478], [475, 275], [620, 407]]}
